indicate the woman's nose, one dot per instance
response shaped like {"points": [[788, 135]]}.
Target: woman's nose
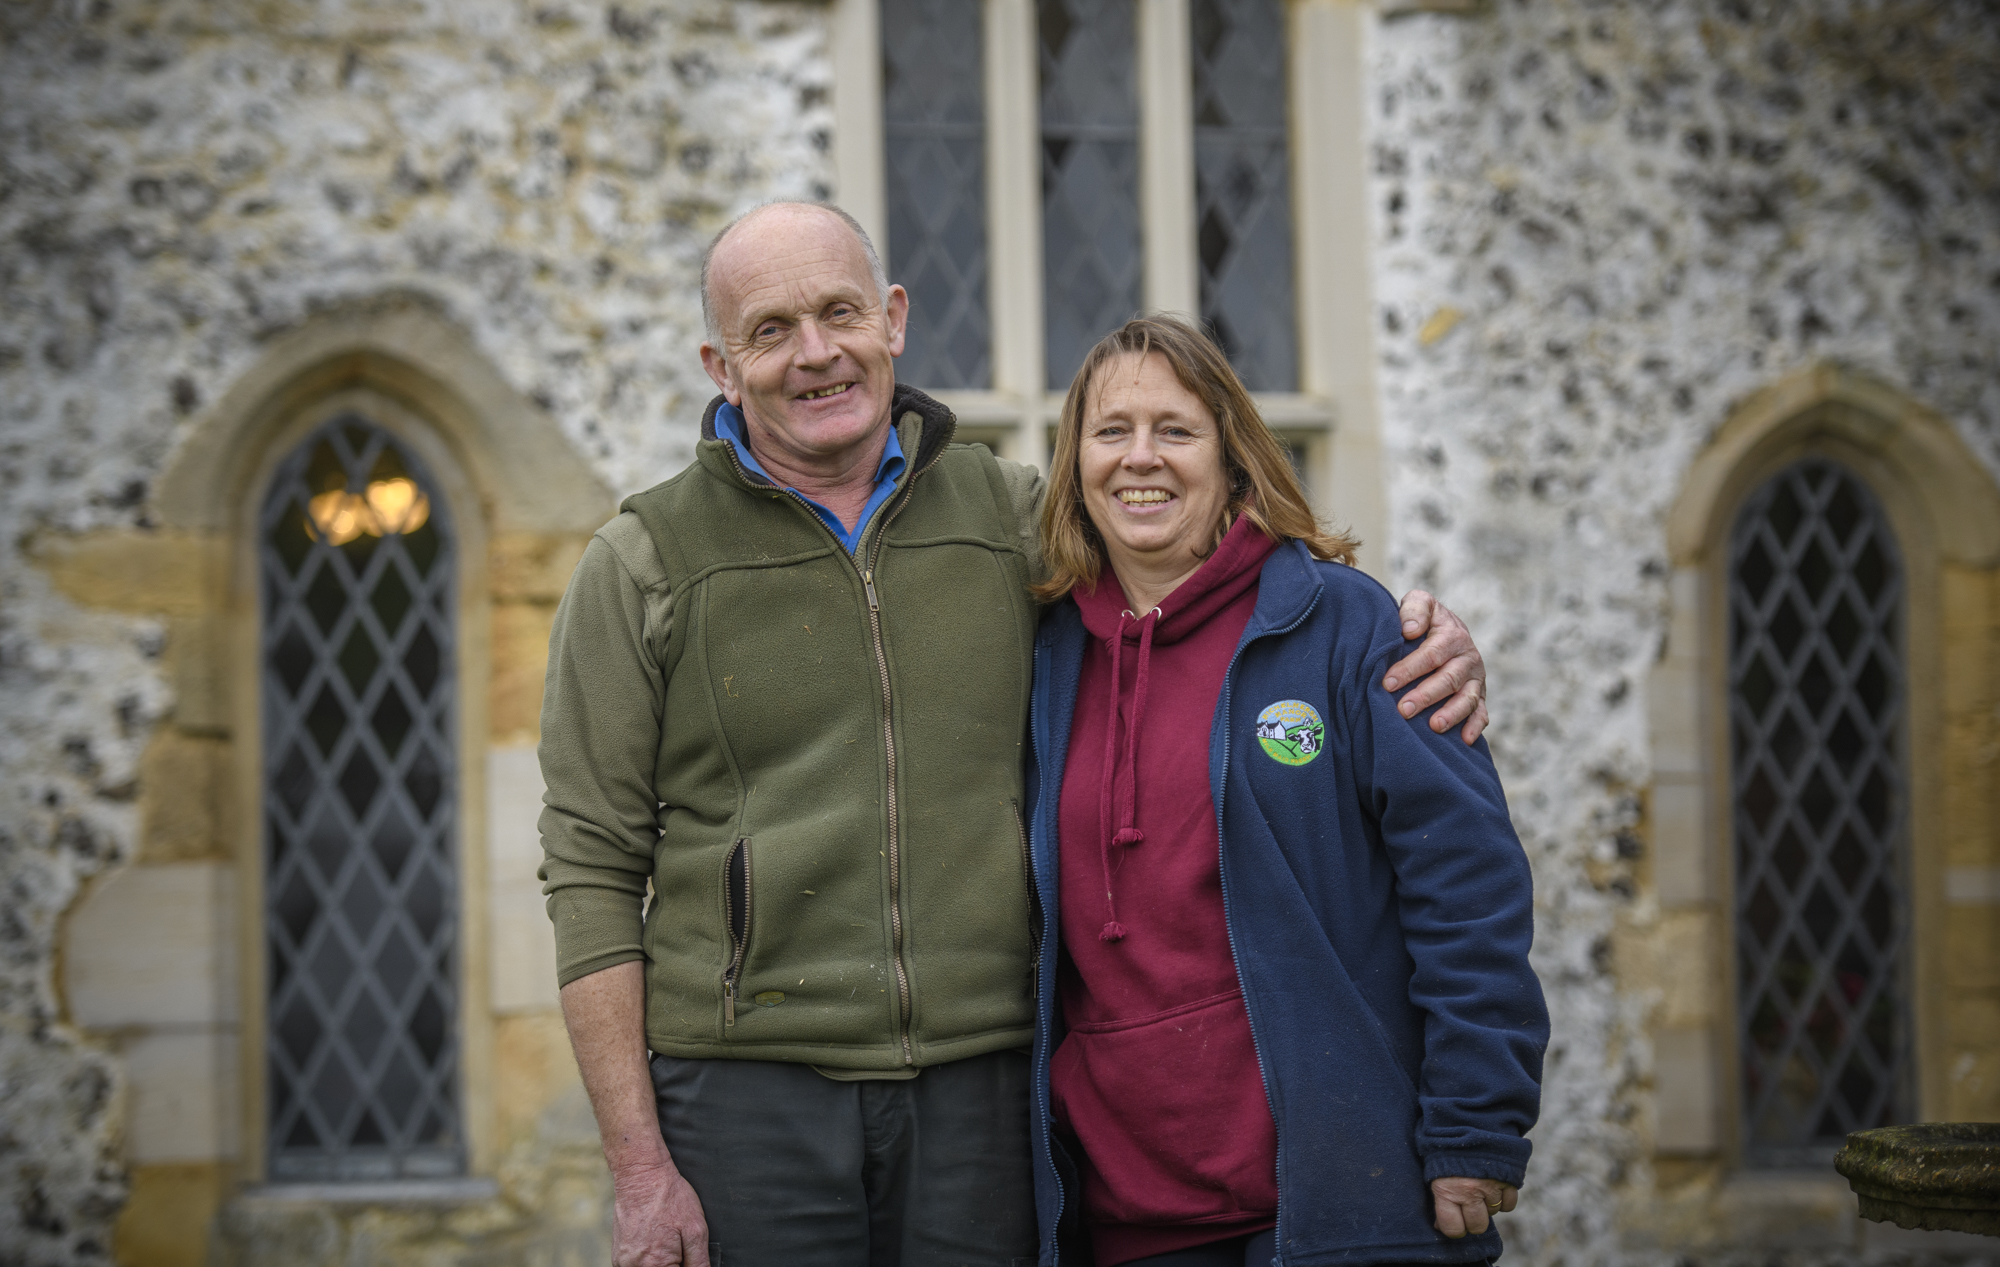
{"points": [[1142, 455]]}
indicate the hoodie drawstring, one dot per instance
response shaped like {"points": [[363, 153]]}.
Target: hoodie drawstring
{"points": [[1127, 833]]}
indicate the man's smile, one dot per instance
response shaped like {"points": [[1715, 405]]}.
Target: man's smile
{"points": [[818, 393]]}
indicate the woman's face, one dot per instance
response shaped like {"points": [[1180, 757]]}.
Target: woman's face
{"points": [[1151, 462]]}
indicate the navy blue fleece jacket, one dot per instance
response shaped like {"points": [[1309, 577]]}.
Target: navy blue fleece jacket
{"points": [[1380, 911]]}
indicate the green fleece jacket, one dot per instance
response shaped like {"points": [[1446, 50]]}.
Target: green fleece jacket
{"points": [[812, 759]]}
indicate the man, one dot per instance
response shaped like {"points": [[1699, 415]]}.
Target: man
{"points": [[786, 695]]}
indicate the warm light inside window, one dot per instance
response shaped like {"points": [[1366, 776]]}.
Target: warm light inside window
{"points": [[384, 508]]}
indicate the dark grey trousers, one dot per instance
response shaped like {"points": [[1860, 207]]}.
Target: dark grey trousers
{"points": [[796, 1170]]}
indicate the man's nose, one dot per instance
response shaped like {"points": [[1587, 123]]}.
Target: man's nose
{"points": [[814, 348]]}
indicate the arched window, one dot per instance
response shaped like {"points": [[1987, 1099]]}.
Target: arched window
{"points": [[1816, 723], [360, 800]]}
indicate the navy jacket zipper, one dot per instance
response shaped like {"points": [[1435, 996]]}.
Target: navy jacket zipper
{"points": [[1220, 777]]}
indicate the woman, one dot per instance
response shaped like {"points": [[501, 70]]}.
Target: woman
{"points": [[1289, 1014]]}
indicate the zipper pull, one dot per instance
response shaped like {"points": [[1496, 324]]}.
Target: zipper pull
{"points": [[729, 1004], [868, 583]]}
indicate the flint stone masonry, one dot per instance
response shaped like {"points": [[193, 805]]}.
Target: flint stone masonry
{"points": [[1636, 215], [181, 182], [1598, 226]]}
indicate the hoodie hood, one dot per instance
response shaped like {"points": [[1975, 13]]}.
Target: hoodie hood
{"points": [[1218, 582]]}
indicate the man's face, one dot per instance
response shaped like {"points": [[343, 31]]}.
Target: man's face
{"points": [[807, 343]]}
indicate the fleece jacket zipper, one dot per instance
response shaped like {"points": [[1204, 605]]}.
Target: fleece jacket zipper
{"points": [[865, 569]]}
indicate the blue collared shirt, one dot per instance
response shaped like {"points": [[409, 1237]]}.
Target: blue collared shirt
{"points": [[729, 426]]}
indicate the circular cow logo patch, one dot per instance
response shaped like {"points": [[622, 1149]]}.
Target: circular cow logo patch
{"points": [[1290, 731]]}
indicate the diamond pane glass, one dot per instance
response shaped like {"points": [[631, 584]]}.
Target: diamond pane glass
{"points": [[360, 804], [1243, 194], [1815, 712], [934, 145], [1091, 257]]}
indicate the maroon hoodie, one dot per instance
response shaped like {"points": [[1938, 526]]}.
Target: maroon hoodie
{"points": [[1157, 1078]]}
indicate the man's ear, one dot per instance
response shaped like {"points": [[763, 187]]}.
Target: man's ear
{"points": [[898, 312], [718, 373]]}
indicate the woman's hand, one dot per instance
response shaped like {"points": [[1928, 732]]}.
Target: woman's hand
{"points": [[1449, 664], [1467, 1205]]}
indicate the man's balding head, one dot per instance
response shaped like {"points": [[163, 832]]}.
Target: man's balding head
{"points": [[803, 334], [711, 325]]}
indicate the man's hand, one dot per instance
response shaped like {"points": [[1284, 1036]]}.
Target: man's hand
{"points": [[656, 1220], [1448, 663], [1466, 1205]]}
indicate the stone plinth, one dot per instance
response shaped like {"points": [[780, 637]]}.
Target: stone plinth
{"points": [[1943, 1176]]}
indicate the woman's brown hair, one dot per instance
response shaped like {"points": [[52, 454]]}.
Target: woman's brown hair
{"points": [[1262, 483]]}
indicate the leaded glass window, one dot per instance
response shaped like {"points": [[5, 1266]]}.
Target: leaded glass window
{"points": [[1047, 171], [360, 811], [1243, 188], [1816, 704], [934, 125], [1092, 258]]}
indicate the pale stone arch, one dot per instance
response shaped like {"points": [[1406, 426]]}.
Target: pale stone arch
{"points": [[522, 503], [1912, 450], [527, 476], [1944, 508]]}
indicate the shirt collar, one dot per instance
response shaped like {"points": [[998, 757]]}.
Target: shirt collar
{"points": [[729, 425]]}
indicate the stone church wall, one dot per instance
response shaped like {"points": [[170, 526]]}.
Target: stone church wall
{"points": [[1600, 227], [181, 185]]}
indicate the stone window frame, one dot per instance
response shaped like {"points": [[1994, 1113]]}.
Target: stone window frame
{"points": [[1331, 422], [522, 503], [1945, 511]]}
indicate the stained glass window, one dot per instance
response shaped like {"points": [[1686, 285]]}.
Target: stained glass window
{"points": [[1243, 213], [360, 810], [1092, 259], [1816, 703], [934, 133]]}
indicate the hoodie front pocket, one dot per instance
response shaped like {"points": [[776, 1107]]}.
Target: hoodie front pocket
{"points": [[1171, 1114], [736, 914]]}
